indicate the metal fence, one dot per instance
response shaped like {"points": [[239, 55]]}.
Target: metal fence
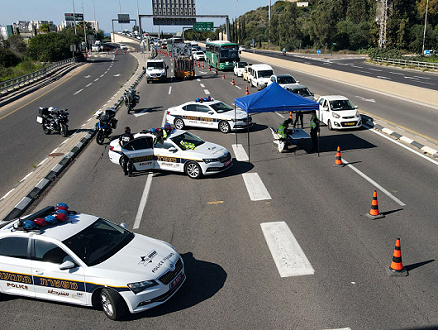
{"points": [[13, 83], [402, 62]]}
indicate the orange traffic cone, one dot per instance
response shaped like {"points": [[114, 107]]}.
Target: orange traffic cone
{"points": [[233, 81], [209, 67], [203, 65], [199, 64], [374, 211], [396, 268], [223, 75], [290, 115], [338, 160], [247, 91]]}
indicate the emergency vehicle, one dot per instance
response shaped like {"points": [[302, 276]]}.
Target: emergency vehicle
{"points": [[181, 151], [208, 113], [69, 257]]}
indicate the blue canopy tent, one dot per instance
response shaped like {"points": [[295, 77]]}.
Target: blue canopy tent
{"points": [[274, 98]]}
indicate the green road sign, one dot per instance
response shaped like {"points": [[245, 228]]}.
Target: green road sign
{"points": [[203, 26]]}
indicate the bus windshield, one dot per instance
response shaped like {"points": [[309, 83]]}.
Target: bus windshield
{"points": [[229, 54]]}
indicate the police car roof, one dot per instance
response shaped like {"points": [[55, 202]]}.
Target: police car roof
{"points": [[61, 230]]}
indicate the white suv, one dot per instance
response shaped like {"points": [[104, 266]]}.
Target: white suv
{"points": [[156, 70]]}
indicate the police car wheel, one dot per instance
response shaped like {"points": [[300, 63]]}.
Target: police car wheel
{"points": [[224, 127], [193, 170], [329, 124], [179, 123], [113, 304]]}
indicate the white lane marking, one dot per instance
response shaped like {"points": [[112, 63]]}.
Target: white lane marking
{"points": [[89, 85], [286, 252], [78, 91], [101, 75], [238, 87], [96, 79], [404, 146], [339, 329], [374, 183], [367, 72], [86, 77], [256, 189], [381, 77], [116, 75], [202, 85], [397, 73], [374, 69], [170, 90], [198, 79], [366, 100], [143, 201], [240, 153], [355, 66], [280, 114], [206, 91]]}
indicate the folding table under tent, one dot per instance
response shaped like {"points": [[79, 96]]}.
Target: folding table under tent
{"points": [[271, 99]]}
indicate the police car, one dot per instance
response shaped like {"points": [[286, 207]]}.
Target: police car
{"points": [[208, 113], [181, 151], [69, 257]]}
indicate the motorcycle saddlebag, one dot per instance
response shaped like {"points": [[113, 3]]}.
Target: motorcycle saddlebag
{"points": [[44, 111]]}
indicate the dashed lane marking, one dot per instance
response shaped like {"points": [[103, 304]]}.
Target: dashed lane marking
{"points": [[206, 91], [286, 252], [256, 189], [240, 153]]}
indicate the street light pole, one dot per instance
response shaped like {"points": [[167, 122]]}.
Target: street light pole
{"points": [[269, 31], [425, 23]]}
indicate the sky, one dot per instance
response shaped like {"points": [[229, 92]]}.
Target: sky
{"points": [[104, 11]]}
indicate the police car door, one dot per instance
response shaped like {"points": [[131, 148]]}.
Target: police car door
{"points": [[140, 152], [168, 157], [191, 115], [206, 116], [15, 267], [53, 281]]}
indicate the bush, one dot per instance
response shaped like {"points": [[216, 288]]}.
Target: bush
{"points": [[384, 53]]}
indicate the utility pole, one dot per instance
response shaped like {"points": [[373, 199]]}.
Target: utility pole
{"points": [[383, 18], [425, 23]]}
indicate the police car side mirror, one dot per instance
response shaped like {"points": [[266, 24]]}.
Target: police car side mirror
{"points": [[172, 149], [68, 264], [210, 113], [297, 81], [325, 108]]}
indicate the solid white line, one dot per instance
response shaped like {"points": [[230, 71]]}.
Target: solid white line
{"points": [[143, 201], [170, 90], [374, 183], [286, 252], [240, 152], [256, 189], [404, 146], [78, 91]]}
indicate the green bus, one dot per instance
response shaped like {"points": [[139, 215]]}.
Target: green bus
{"points": [[222, 54]]}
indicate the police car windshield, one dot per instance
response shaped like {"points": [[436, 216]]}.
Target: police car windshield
{"points": [[187, 138], [98, 242], [221, 107], [341, 105]]}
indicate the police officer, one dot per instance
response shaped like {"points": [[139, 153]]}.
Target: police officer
{"points": [[314, 131], [123, 140]]}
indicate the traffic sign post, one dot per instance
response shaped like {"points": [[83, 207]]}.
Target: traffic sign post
{"points": [[203, 26]]}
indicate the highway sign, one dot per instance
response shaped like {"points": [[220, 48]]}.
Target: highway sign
{"points": [[319, 51], [203, 26], [123, 18]]}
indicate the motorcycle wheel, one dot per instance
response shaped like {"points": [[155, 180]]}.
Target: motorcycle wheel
{"points": [[64, 130], [46, 130], [100, 137]]}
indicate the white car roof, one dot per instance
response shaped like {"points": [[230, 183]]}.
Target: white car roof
{"points": [[61, 230], [156, 60], [334, 97], [261, 67]]}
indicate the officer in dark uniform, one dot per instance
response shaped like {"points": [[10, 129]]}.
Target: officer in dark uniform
{"points": [[314, 131], [123, 140]]}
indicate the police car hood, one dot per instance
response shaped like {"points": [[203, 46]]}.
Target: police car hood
{"points": [[144, 257], [211, 149], [238, 114]]}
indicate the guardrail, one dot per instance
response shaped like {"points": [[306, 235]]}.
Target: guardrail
{"points": [[4, 86], [417, 64]]}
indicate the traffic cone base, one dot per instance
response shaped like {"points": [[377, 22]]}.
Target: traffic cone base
{"points": [[396, 268], [374, 211]]}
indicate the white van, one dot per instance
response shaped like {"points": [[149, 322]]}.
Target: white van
{"points": [[260, 75], [156, 70]]}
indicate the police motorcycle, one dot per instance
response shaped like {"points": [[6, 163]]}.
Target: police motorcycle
{"points": [[53, 119], [131, 99], [107, 122]]}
